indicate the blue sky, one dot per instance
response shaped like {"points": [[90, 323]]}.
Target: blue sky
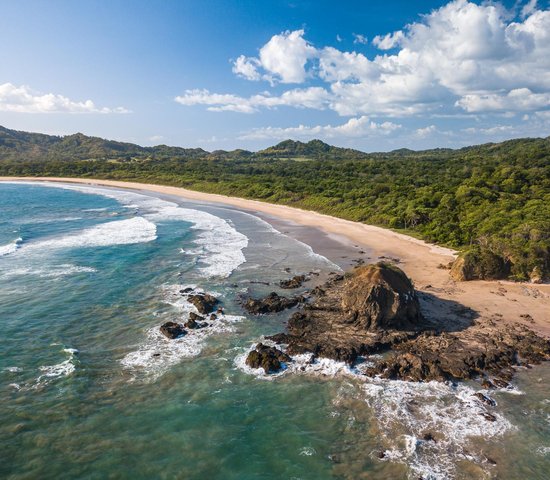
{"points": [[373, 75]]}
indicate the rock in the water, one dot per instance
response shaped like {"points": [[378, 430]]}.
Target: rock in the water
{"points": [[193, 324], [271, 304], [294, 282], [194, 316], [172, 330], [203, 302], [213, 316], [268, 358], [381, 297]]}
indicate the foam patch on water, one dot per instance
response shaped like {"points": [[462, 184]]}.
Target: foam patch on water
{"points": [[10, 247], [53, 271], [121, 232], [406, 411], [218, 245], [301, 364], [158, 354]]}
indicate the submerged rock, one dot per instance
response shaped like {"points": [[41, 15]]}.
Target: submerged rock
{"points": [[294, 282], [268, 358], [193, 324], [203, 302], [172, 330], [271, 304]]}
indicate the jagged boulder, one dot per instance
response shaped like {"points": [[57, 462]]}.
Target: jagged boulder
{"points": [[172, 330], [203, 302], [380, 297], [271, 304], [268, 358]]}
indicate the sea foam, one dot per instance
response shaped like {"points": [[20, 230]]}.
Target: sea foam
{"points": [[120, 232], [10, 247], [405, 411], [220, 246]]}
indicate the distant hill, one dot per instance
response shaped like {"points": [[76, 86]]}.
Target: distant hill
{"points": [[312, 149], [24, 146]]}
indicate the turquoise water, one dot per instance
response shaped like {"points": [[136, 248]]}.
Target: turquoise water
{"points": [[89, 389]]}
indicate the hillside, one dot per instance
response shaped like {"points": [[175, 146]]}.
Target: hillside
{"points": [[492, 201]]}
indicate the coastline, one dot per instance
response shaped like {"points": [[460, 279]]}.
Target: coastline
{"points": [[501, 301]]}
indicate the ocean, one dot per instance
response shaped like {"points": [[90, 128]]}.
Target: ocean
{"points": [[89, 388]]}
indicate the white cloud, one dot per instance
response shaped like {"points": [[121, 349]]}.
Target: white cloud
{"points": [[388, 41], [529, 8], [22, 99], [354, 127], [426, 131], [462, 57], [313, 97], [360, 39], [520, 99], [283, 59], [247, 68]]}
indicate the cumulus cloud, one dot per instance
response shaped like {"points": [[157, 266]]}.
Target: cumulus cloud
{"points": [[388, 41], [22, 99], [312, 97], [360, 39], [461, 58], [354, 127], [282, 59], [519, 99]]}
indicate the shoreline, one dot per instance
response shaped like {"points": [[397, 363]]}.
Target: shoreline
{"points": [[501, 301]]}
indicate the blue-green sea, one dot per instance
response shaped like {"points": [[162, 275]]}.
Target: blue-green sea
{"points": [[90, 389]]}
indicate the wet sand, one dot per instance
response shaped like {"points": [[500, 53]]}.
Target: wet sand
{"points": [[501, 301]]}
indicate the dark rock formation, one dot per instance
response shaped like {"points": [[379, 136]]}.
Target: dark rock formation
{"points": [[172, 330], [295, 282], [193, 324], [271, 304], [203, 302], [380, 297], [345, 320], [478, 350], [268, 358], [375, 309], [194, 316]]}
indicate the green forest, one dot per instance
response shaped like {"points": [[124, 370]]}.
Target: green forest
{"points": [[490, 201]]}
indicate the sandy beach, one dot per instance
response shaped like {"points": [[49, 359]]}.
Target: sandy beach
{"points": [[500, 301]]}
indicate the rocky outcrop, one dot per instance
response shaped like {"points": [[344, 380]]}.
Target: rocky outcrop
{"points": [[348, 315], [380, 297], [203, 302], [268, 358], [273, 303], [484, 349], [479, 264], [295, 282], [172, 330], [374, 309]]}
